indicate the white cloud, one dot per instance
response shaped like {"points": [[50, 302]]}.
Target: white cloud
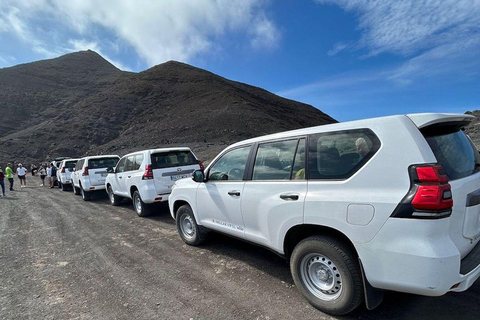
{"points": [[437, 36], [157, 30]]}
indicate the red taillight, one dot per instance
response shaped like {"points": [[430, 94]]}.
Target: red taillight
{"points": [[430, 195], [202, 167], [85, 171], [148, 174]]}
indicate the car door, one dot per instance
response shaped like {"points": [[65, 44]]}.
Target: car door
{"points": [[127, 175], [78, 172], [218, 199], [273, 199], [118, 181]]}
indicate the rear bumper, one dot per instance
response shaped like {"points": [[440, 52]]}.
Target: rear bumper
{"points": [[149, 194], [415, 256], [469, 269]]}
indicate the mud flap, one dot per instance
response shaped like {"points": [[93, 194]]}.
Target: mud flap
{"points": [[373, 296]]}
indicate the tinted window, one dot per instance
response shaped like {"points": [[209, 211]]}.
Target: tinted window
{"points": [[298, 172], [121, 165], [173, 159], [102, 163], [129, 163], [455, 153], [337, 155], [80, 164], [274, 160], [231, 166], [138, 161], [70, 165]]}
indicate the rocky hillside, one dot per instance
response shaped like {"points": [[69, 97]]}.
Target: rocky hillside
{"points": [[473, 129], [80, 104]]}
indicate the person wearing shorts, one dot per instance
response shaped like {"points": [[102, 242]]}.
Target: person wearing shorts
{"points": [[22, 172], [43, 174]]}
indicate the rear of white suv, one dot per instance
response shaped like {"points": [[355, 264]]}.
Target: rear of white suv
{"points": [[147, 176], [90, 173], [64, 172], [358, 207]]}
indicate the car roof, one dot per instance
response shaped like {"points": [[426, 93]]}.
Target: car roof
{"points": [[160, 150], [101, 156], [419, 119]]}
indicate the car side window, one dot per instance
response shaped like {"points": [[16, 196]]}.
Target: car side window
{"points": [[79, 165], [274, 160], [138, 161], [121, 165], [298, 172], [338, 155], [129, 163], [231, 166]]}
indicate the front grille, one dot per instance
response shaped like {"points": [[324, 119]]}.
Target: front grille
{"points": [[471, 261]]}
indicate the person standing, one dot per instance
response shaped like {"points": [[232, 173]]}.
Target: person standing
{"points": [[54, 176], [9, 173], [49, 175], [42, 173], [2, 182], [22, 172]]}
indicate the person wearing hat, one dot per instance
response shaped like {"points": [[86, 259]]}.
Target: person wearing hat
{"points": [[22, 172], [9, 174]]}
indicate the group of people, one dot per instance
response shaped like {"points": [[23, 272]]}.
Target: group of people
{"points": [[48, 172]]}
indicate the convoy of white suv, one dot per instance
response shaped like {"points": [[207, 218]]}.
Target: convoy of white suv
{"points": [[357, 208]]}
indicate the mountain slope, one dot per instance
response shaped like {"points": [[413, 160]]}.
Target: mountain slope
{"points": [[91, 107]]}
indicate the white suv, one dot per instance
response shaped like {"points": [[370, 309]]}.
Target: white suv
{"points": [[64, 172], [147, 176], [90, 174], [358, 207]]}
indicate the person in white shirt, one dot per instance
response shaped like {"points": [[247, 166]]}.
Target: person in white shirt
{"points": [[22, 172], [49, 175]]}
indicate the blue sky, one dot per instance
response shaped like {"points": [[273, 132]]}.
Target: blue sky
{"points": [[352, 59]]}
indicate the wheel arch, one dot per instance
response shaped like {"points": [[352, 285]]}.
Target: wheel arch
{"points": [[133, 188], [177, 204], [302, 231]]}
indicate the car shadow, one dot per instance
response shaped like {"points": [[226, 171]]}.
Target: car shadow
{"points": [[394, 306]]}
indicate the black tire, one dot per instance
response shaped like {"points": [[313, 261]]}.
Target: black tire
{"points": [[114, 199], [86, 195], [76, 191], [59, 184], [190, 232], [327, 273], [141, 208], [64, 187]]}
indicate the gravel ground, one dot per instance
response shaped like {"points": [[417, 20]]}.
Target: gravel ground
{"points": [[63, 258]]}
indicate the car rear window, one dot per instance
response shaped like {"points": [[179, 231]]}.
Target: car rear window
{"points": [[454, 152], [102, 163], [70, 165], [173, 159]]}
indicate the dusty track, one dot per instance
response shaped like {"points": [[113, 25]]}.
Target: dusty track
{"points": [[63, 258]]}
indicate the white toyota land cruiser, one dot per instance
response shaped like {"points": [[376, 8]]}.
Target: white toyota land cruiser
{"points": [[147, 176], [90, 173], [358, 207]]}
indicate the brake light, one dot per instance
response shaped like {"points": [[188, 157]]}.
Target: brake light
{"points": [[202, 167], [85, 171], [430, 195], [148, 174]]}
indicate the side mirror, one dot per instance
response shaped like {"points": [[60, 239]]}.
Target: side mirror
{"points": [[198, 176], [110, 170]]}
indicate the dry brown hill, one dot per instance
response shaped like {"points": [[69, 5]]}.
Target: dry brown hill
{"points": [[80, 104]]}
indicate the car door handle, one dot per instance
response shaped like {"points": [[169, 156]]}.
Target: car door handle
{"points": [[119, 177], [128, 176], [289, 196], [235, 193]]}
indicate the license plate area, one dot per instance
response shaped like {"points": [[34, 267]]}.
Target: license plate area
{"points": [[178, 177]]}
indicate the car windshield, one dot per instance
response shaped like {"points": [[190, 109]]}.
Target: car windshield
{"points": [[102, 163], [173, 159]]}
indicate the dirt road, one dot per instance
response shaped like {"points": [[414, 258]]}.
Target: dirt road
{"points": [[63, 258]]}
